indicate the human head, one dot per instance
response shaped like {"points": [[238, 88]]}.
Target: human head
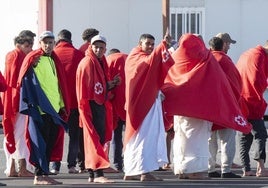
{"points": [[65, 35], [113, 50], [146, 43], [89, 33], [28, 34], [98, 45], [47, 42], [216, 43], [227, 40], [23, 43]]}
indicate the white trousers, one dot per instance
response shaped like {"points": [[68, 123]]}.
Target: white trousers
{"points": [[190, 145], [22, 151]]}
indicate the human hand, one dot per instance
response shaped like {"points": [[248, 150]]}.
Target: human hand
{"points": [[167, 37], [35, 62], [115, 82]]}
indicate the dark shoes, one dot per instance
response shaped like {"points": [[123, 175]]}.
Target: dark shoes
{"points": [[214, 174], [230, 175], [224, 175]]}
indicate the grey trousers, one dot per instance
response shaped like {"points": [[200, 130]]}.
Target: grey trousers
{"points": [[226, 138]]}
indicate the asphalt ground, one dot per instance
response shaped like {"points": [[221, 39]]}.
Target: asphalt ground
{"points": [[170, 180]]}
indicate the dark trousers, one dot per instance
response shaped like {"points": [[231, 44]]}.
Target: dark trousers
{"points": [[259, 136], [49, 133], [81, 152], [99, 122], [118, 145], [74, 134]]}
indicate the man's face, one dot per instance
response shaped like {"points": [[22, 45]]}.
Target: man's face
{"points": [[147, 45], [26, 47], [99, 49], [47, 45], [226, 47]]}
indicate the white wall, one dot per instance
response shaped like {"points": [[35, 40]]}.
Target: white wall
{"points": [[15, 15], [224, 16], [244, 20], [120, 21]]}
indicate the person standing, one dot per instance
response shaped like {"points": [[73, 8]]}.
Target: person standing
{"points": [[44, 100], [195, 71], [70, 57], [14, 123], [92, 88], [87, 35], [144, 142], [116, 65], [226, 136], [253, 68]]}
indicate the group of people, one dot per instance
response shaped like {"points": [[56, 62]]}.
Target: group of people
{"points": [[195, 92]]}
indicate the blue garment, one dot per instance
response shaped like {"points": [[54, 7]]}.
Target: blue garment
{"points": [[32, 98]]}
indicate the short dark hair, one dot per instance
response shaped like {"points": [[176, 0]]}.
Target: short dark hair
{"points": [[216, 43], [89, 33], [22, 40], [27, 33], [65, 35], [146, 36], [113, 50]]}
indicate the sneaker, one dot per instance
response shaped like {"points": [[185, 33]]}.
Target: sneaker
{"points": [[54, 172], [72, 170], [214, 174], [229, 175]]}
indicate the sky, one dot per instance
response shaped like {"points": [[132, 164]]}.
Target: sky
{"points": [[16, 15]]}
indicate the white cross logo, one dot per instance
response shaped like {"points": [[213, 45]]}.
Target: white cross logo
{"points": [[98, 88], [240, 120]]}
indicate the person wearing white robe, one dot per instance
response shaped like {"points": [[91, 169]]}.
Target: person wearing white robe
{"points": [[190, 147]]}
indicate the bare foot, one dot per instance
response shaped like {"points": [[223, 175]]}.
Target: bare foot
{"points": [[135, 177], [40, 180], [45, 180], [102, 179], [25, 173], [248, 173], [150, 177], [12, 174], [261, 174]]}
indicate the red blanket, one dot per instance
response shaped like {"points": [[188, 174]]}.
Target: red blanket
{"points": [[253, 68], [144, 77], [196, 86], [91, 85], [13, 64], [116, 65]]}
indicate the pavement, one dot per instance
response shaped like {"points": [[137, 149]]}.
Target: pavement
{"points": [[170, 180]]}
